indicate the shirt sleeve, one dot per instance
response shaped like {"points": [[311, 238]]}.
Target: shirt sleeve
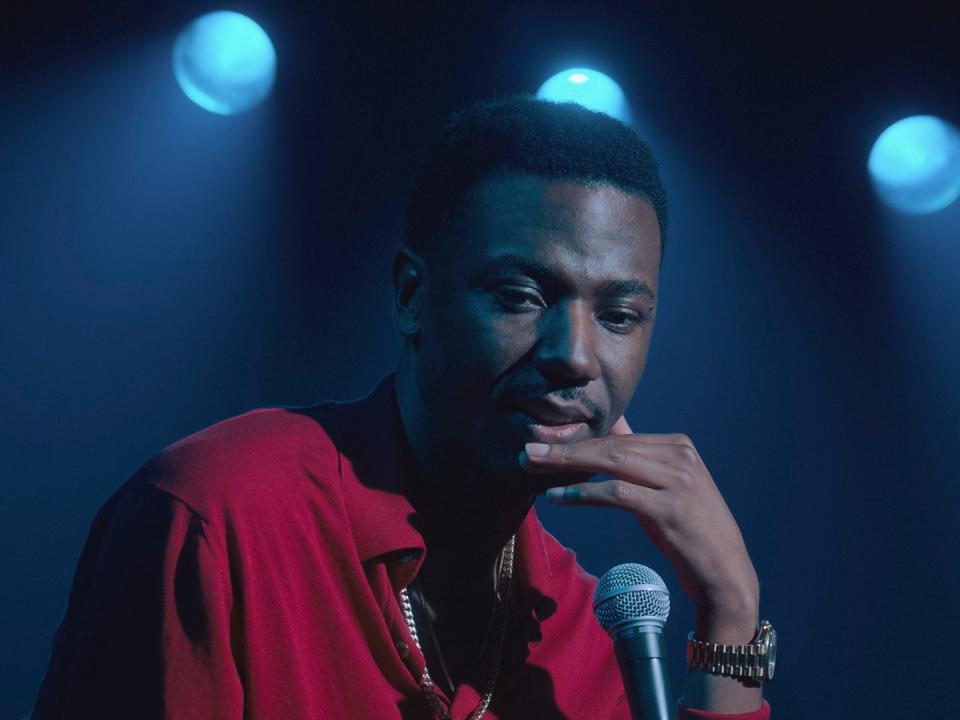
{"points": [[146, 633], [685, 713]]}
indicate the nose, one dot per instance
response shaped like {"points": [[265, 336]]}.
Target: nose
{"points": [[566, 350]]}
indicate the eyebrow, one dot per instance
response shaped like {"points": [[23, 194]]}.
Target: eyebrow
{"points": [[542, 273], [627, 288]]}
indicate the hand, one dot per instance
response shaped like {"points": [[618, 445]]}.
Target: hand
{"points": [[663, 482]]}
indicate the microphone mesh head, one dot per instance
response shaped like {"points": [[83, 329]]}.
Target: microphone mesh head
{"points": [[630, 594]]}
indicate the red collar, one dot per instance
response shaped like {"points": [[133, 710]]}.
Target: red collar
{"points": [[376, 462]]}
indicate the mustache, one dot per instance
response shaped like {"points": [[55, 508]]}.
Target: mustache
{"points": [[567, 395]]}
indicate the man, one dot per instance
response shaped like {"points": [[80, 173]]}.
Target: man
{"points": [[380, 558]]}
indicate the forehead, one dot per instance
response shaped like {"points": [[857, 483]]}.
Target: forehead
{"points": [[585, 230]]}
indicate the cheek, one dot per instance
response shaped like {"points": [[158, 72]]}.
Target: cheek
{"points": [[623, 373], [508, 338], [474, 344], [461, 363], [488, 336]]}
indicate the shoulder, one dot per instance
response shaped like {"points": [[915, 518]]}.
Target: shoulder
{"points": [[258, 459]]}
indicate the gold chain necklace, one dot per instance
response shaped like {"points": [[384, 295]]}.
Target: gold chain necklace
{"points": [[504, 576]]}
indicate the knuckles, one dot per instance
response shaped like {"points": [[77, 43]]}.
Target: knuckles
{"points": [[614, 452], [671, 514]]}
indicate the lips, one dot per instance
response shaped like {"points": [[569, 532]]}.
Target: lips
{"points": [[548, 412], [554, 433], [547, 421]]}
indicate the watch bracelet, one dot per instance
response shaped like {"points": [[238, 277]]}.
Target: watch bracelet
{"points": [[731, 660]]}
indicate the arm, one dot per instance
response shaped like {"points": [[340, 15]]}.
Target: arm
{"points": [[147, 629], [731, 621], [662, 480]]}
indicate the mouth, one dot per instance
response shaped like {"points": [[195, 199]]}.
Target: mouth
{"points": [[548, 431], [548, 421]]}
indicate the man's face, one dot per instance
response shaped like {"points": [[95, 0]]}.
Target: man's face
{"points": [[543, 293]]}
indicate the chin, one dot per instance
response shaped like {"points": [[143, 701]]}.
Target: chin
{"points": [[515, 482]]}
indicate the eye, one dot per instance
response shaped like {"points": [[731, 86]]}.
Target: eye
{"points": [[517, 297], [623, 320]]}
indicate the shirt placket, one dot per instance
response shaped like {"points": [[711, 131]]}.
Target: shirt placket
{"points": [[402, 572]]}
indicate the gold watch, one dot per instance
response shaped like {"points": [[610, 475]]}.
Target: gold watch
{"points": [[754, 661]]}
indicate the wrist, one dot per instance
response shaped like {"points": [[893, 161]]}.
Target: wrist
{"points": [[749, 663], [731, 620]]}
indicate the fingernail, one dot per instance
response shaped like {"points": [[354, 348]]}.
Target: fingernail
{"points": [[554, 494], [537, 449]]}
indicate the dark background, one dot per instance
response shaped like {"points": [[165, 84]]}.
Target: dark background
{"points": [[162, 268]]}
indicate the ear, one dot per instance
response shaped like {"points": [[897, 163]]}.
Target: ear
{"points": [[409, 291]]}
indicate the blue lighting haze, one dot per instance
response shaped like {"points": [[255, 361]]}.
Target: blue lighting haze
{"points": [[224, 62], [915, 164], [589, 88]]}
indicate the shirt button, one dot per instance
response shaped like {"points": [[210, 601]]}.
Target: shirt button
{"points": [[403, 649]]}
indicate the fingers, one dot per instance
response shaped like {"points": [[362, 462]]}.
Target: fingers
{"points": [[611, 455], [673, 449], [622, 427], [607, 459], [610, 493]]}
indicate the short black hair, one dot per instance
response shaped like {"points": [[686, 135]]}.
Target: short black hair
{"points": [[523, 135]]}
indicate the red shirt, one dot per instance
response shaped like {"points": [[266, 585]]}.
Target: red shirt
{"points": [[252, 570]]}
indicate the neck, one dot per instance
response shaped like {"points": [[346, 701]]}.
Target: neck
{"points": [[463, 547], [464, 521]]}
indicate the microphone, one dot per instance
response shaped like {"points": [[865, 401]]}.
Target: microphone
{"points": [[632, 603]]}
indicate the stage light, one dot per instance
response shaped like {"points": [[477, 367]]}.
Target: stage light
{"points": [[224, 62], [589, 88], [915, 164]]}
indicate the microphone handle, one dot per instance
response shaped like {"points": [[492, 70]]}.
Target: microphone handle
{"points": [[640, 653]]}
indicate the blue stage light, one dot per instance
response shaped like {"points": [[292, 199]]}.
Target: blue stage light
{"points": [[224, 62], [915, 164], [589, 88]]}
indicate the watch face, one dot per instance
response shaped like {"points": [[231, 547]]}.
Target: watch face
{"points": [[771, 653]]}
